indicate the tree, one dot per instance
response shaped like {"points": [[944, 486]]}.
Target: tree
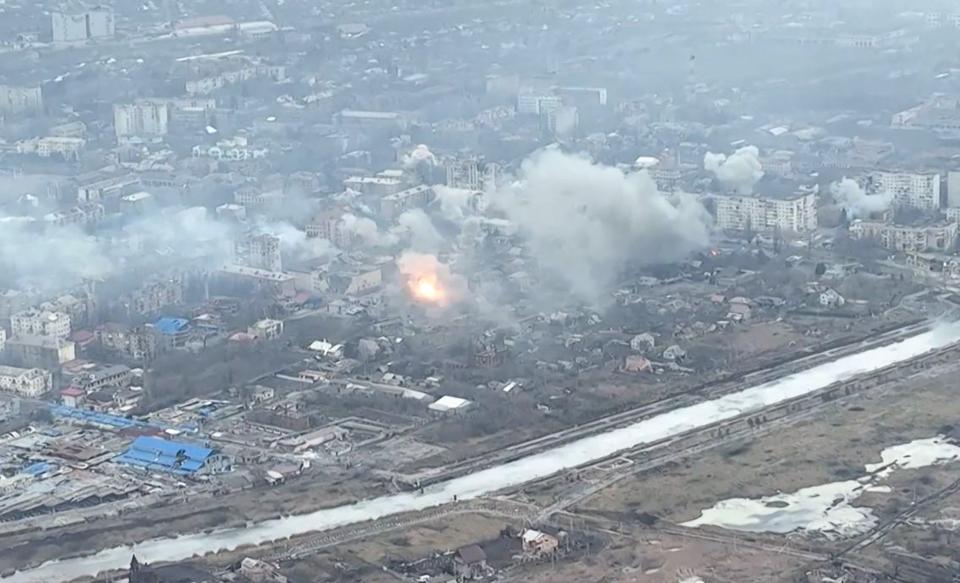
{"points": [[820, 269]]}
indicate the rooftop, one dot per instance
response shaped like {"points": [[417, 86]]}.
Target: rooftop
{"points": [[159, 454]]}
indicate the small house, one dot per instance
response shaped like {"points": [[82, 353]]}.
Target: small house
{"points": [[470, 563]]}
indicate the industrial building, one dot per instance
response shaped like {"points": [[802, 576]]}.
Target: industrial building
{"points": [[185, 459]]}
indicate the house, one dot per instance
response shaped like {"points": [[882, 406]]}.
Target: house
{"points": [[266, 329], [449, 404], [73, 396], [636, 364], [172, 331], [739, 312], [536, 542], [470, 563], [830, 298]]}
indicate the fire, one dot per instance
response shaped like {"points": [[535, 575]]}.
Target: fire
{"points": [[428, 289]]}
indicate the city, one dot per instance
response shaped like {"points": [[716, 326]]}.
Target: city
{"points": [[654, 291]]}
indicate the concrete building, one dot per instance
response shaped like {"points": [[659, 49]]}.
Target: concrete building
{"points": [[939, 236], [68, 148], [142, 118], [908, 189], [19, 100], [394, 205], [329, 226], [372, 120], [46, 352], [26, 382], [472, 173], [373, 185], [139, 343], [3, 340], [266, 329], [536, 103], [73, 26], [259, 251], [40, 323], [790, 214]]}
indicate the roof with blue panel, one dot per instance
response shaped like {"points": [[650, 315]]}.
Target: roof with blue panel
{"points": [[171, 325], [156, 453]]}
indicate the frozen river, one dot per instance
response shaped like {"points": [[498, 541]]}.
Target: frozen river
{"points": [[506, 475]]}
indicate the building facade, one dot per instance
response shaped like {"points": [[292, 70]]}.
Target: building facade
{"points": [[917, 239], [907, 189], [143, 118], [14, 100], [27, 382], [40, 323], [83, 25], [796, 214], [259, 251]]}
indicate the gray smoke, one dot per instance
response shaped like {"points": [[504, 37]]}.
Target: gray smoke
{"points": [[362, 229], [858, 203], [419, 155], [585, 222], [740, 171]]}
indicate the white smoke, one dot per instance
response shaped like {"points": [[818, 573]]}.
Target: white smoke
{"points": [[295, 244], [455, 203], [740, 171], [858, 203], [416, 230], [585, 222], [363, 229], [419, 155]]}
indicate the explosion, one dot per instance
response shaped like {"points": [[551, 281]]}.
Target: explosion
{"points": [[428, 289], [429, 281]]}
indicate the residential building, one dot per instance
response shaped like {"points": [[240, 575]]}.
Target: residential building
{"points": [[908, 189], [790, 214], [20, 100], [26, 382], [40, 323], [532, 102], [373, 185], [472, 173], [536, 542], [936, 236], [266, 329], [3, 340], [92, 377], [171, 332], [72, 26], [155, 295], [68, 148], [142, 118], [260, 251], [470, 563], [329, 225], [139, 343], [46, 352], [394, 205]]}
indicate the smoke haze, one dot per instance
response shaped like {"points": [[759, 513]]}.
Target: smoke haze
{"points": [[858, 203]]}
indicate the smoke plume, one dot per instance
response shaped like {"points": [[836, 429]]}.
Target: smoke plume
{"points": [[740, 171], [416, 229], [858, 203], [361, 228], [585, 222], [419, 155]]}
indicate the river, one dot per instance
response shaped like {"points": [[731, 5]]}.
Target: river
{"points": [[505, 475]]}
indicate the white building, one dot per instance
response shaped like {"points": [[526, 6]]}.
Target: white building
{"points": [[83, 25], [266, 329], [40, 323], [908, 189], [15, 100], [69, 148], [792, 214], [28, 382], [3, 339], [143, 118], [534, 103]]}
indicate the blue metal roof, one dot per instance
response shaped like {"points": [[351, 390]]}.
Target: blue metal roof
{"points": [[155, 453], [170, 326], [39, 468]]}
